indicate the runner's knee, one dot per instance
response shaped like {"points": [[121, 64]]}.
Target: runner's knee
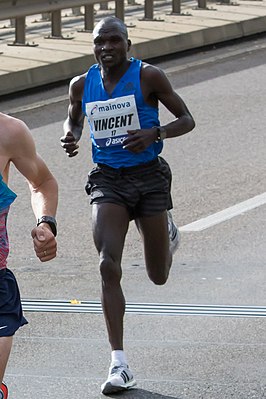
{"points": [[158, 278], [110, 270]]}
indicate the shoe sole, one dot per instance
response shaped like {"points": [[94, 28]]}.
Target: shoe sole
{"points": [[109, 388]]}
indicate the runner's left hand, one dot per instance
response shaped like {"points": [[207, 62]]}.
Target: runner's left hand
{"points": [[139, 139], [44, 243]]}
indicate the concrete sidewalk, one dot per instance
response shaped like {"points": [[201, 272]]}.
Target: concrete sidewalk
{"points": [[24, 67]]}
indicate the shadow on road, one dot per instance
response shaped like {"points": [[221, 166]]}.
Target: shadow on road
{"points": [[140, 394]]}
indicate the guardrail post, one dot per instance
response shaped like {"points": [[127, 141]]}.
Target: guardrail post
{"points": [[89, 18], [148, 9], [176, 7], [76, 11], [56, 24], [120, 9], [202, 3], [46, 16], [148, 12], [104, 6], [20, 35]]}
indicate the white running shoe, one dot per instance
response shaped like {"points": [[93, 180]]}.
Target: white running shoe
{"points": [[174, 234], [119, 379]]}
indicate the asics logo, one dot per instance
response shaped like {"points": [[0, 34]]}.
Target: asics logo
{"points": [[114, 141], [108, 142], [1, 327]]}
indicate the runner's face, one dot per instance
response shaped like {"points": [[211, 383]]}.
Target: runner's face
{"points": [[110, 46]]}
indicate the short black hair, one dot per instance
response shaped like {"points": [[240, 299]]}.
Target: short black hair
{"points": [[112, 21]]}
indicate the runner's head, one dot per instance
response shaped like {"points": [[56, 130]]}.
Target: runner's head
{"points": [[111, 43]]}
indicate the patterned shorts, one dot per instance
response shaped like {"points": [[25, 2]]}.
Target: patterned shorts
{"points": [[144, 189]]}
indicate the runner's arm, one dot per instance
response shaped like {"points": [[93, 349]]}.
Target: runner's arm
{"points": [[43, 186], [157, 88], [73, 125], [162, 90]]}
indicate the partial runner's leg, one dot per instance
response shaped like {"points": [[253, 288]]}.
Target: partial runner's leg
{"points": [[155, 236], [5, 348], [110, 225]]}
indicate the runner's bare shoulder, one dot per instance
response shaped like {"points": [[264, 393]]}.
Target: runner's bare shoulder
{"points": [[76, 86]]}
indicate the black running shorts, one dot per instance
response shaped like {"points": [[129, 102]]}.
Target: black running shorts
{"points": [[11, 316], [144, 189]]}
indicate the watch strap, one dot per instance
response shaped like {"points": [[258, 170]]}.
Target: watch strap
{"points": [[161, 133], [49, 220]]}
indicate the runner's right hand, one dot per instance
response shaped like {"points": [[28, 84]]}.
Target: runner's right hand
{"points": [[69, 144]]}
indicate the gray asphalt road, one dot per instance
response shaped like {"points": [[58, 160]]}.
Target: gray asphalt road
{"points": [[220, 164]]}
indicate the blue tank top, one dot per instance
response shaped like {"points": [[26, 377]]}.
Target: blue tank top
{"points": [[6, 198], [110, 116]]}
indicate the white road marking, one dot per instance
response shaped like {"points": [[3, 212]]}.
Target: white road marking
{"points": [[225, 214], [167, 309]]}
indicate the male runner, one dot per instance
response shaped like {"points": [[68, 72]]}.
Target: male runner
{"points": [[17, 147], [120, 97]]}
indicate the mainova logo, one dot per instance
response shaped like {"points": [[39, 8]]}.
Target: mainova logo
{"points": [[94, 109], [112, 107]]}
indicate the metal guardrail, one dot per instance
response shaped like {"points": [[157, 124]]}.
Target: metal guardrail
{"points": [[22, 8], [18, 10]]}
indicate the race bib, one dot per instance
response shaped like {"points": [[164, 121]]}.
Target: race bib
{"points": [[109, 120]]}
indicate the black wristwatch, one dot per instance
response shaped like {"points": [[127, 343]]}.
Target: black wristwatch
{"points": [[161, 133], [49, 220]]}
